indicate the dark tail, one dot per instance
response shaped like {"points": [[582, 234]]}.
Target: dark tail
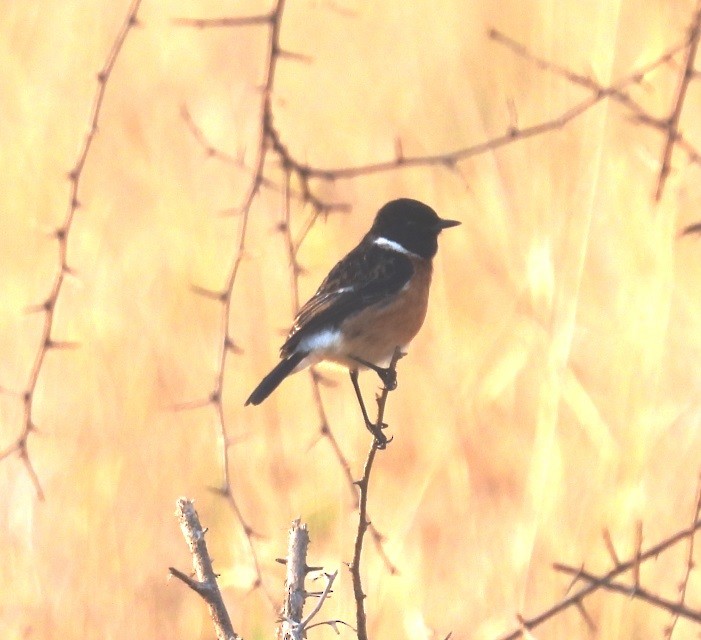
{"points": [[271, 382]]}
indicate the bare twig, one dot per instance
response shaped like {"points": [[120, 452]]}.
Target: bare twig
{"points": [[673, 120], [333, 624], [330, 578], [585, 616], [638, 551], [243, 21], [611, 548], [270, 142], [48, 307], [363, 521], [689, 565], [692, 228], [238, 161], [669, 125], [293, 626], [205, 584], [616, 91], [579, 595], [513, 133], [632, 591]]}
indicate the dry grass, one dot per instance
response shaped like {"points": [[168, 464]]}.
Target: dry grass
{"points": [[554, 390]]}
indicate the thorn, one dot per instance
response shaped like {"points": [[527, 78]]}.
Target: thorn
{"points": [[36, 308], [220, 296], [291, 55], [309, 569], [398, 151], [692, 228], [56, 344], [230, 345]]}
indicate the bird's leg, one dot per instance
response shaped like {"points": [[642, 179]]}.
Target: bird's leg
{"points": [[387, 375], [375, 429]]}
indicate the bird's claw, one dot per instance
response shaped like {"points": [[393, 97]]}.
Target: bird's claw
{"points": [[381, 440]]}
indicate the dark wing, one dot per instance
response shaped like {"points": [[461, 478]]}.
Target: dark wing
{"points": [[366, 276]]}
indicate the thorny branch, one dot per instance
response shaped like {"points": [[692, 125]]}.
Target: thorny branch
{"points": [[295, 592], [688, 73], [270, 140], [272, 21], [450, 159], [47, 341], [270, 144], [363, 518], [689, 565], [205, 581], [294, 624], [618, 92], [631, 591], [598, 582]]}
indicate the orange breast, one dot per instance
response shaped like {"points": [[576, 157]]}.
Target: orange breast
{"points": [[373, 334]]}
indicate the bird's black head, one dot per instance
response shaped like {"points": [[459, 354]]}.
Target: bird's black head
{"points": [[412, 225]]}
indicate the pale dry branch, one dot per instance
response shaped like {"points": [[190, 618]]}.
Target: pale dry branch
{"points": [[330, 578], [294, 624], [295, 592], [205, 581]]}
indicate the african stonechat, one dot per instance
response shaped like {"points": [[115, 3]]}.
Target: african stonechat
{"points": [[371, 303]]}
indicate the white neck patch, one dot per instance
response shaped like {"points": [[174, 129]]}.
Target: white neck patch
{"points": [[394, 246]]}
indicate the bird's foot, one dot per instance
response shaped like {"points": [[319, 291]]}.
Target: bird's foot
{"points": [[381, 440], [388, 375]]}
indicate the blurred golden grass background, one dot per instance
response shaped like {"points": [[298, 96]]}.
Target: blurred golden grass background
{"points": [[553, 391]]}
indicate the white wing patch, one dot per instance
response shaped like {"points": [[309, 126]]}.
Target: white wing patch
{"points": [[323, 340]]}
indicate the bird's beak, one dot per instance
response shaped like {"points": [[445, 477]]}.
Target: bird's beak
{"points": [[444, 224]]}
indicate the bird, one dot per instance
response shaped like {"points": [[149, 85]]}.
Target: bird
{"points": [[372, 302]]}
